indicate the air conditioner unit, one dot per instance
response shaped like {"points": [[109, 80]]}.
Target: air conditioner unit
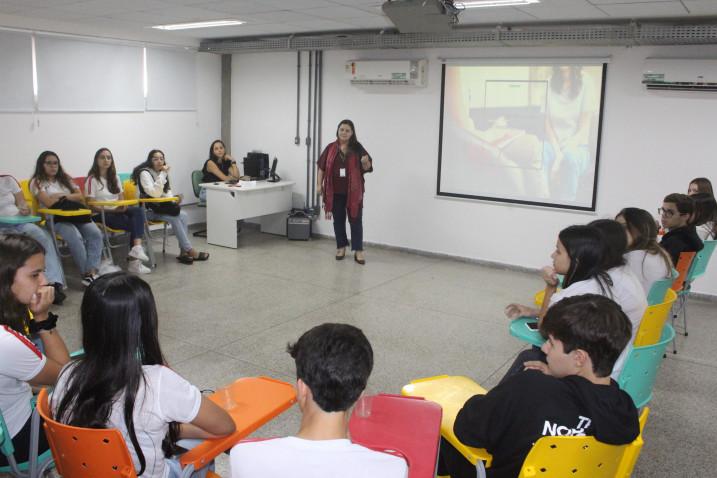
{"points": [[387, 72], [680, 74]]}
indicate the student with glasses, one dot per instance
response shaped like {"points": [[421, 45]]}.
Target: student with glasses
{"points": [[675, 214]]}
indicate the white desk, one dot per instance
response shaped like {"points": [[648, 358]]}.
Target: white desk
{"points": [[226, 204]]}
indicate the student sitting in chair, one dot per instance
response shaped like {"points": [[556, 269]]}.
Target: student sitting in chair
{"points": [[675, 214], [570, 395], [333, 363]]}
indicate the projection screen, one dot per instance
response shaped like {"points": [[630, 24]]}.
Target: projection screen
{"points": [[521, 133]]}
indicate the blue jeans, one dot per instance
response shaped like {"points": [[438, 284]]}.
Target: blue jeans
{"points": [[179, 226], [131, 220], [567, 178], [53, 267], [175, 469], [202, 195], [85, 243]]}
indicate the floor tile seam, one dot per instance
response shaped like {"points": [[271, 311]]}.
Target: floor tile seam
{"points": [[202, 352], [247, 362], [694, 361], [497, 370]]}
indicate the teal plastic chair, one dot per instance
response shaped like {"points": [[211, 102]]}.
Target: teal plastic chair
{"points": [[640, 371], [659, 289], [696, 270], [37, 465], [124, 176], [519, 329]]}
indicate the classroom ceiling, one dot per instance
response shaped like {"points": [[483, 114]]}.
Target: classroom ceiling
{"points": [[284, 17]]}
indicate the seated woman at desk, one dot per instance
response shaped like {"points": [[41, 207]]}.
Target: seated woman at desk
{"points": [[219, 167], [103, 184], [55, 189], [13, 204], [152, 179], [119, 318]]}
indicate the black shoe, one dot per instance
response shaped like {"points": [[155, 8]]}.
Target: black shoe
{"points": [[60, 295]]}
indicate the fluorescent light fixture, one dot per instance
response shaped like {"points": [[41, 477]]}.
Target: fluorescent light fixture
{"points": [[495, 3], [208, 24]]}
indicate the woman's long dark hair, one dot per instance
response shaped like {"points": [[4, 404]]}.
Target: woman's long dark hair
{"points": [[40, 176], [214, 157], [615, 240], [147, 164], [705, 211], [576, 80], [119, 336], [586, 248], [641, 226], [704, 185], [15, 250], [112, 179], [354, 144]]}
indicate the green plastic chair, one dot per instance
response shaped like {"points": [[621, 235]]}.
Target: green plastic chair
{"points": [[640, 371], [696, 270], [659, 289], [519, 329], [37, 465]]}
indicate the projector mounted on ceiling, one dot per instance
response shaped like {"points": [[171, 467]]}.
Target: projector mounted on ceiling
{"points": [[422, 16]]}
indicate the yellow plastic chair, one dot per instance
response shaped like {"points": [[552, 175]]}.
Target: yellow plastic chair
{"points": [[451, 393], [132, 192], [653, 321], [559, 457]]}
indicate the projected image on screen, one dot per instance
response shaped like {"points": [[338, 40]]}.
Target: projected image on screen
{"points": [[525, 134]]}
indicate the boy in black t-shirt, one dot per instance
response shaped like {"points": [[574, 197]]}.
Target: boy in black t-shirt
{"points": [[571, 395], [675, 215]]}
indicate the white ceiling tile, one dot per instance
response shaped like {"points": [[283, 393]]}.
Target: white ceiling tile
{"points": [[283, 16], [701, 7], [246, 6], [190, 14], [562, 10], [338, 12], [370, 22], [645, 10], [612, 2], [477, 16], [297, 4]]}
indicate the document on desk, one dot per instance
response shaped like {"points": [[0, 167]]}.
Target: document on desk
{"points": [[247, 184]]}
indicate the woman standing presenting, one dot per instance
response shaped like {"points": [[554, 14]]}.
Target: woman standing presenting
{"points": [[340, 182]]}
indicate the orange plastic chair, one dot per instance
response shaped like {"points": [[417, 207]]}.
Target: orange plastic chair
{"points": [[683, 265], [408, 427], [85, 451]]}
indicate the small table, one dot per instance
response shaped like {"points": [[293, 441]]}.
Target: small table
{"points": [[251, 402], [228, 203]]}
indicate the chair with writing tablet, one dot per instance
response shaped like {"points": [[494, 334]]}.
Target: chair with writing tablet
{"points": [[451, 393], [37, 464], [132, 192], [408, 427], [520, 329]]}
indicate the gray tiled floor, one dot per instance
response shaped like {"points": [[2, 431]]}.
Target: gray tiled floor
{"points": [[233, 316]]}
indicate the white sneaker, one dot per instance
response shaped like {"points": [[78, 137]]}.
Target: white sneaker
{"points": [[137, 267], [138, 253], [107, 267]]}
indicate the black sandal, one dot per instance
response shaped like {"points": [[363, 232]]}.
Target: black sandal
{"points": [[185, 259], [202, 256]]}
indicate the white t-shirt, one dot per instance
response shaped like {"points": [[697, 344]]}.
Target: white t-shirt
{"points": [[8, 189], [299, 458], [647, 267], [99, 190], [20, 361], [564, 112], [165, 397], [626, 291], [706, 231], [50, 187]]}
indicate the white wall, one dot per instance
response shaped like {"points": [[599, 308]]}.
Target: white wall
{"points": [[653, 143], [183, 136]]}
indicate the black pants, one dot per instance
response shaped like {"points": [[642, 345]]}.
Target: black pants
{"points": [[340, 212], [451, 462], [533, 353], [21, 442]]}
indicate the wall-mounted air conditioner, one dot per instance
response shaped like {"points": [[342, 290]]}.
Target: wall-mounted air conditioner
{"points": [[387, 72], [680, 74]]}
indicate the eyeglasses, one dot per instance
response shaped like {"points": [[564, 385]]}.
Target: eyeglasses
{"points": [[666, 212], [52, 163]]}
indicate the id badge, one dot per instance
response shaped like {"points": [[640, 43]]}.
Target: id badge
{"points": [[342, 172]]}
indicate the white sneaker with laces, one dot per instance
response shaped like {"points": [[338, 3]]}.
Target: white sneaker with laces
{"points": [[108, 268], [137, 267], [138, 253]]}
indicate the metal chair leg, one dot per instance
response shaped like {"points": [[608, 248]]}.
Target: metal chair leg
{"points": [[51, 222]]}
